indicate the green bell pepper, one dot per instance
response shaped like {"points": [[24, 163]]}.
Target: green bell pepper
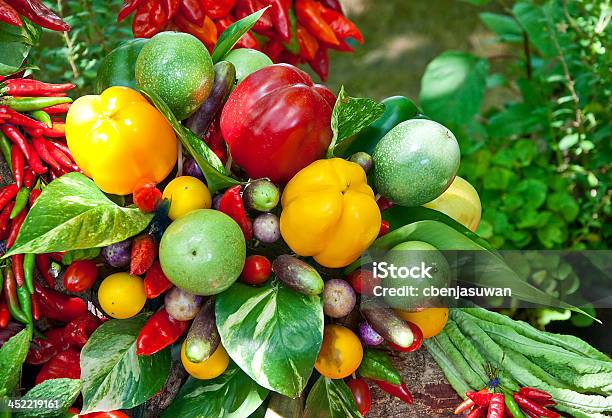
{"points": [[377, 365]]}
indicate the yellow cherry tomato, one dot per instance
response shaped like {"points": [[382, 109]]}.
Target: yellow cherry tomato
{"points": [[122, 295], [341, 352], [210, 368], [120, 140], [461, 202], [329, 212], [186, 193], [430, 320]]}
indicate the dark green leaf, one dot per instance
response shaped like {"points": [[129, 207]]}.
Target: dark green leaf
{"points": [[565, 204], [499, 179], [12, 355], [477, 2], [533, 20], [231, 395], [63, 391], [85, 254], [517, 119], [351, 115], [273, 333], [113, 376], [207, 160], [330, 399], [71, 214], [506, 27], [233, 33], [15, 45], [534, 191], [453, 87]]}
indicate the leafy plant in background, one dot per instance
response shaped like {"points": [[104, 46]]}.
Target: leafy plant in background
{"points": [[541, 162], [75, 55]]}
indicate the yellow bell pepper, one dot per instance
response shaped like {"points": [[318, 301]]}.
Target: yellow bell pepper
{"points": [[329, 212], [120, 140]]}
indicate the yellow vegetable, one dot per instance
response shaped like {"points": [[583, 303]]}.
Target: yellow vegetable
{"points": [[210, 368], [430, 320], [122, 295], [341, 352], [329, 212], [461, 202], [186, 193], [120, 140]]}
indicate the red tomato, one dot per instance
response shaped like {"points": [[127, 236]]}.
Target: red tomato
{"points": [[147, 197], [256, 270], [363, 281], [416, 344], [111, 414], [361, 394], [384, 228], [80, 275]]}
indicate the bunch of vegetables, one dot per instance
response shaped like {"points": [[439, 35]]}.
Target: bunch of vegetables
{"points": [[11, 12], [288, 31]]}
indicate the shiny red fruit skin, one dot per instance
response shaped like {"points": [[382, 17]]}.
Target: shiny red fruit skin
{"points": [[416, 344], [147, 197], [256, 270], [361, 394], [80, 275], [276, 122]]}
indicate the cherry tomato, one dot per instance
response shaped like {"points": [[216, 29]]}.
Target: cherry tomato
{"points": [[80, 275], [384, 228], [363, 281], [122, 295], [111, 414], [361, 394], [256, 270], [341, 352], [430, 320], [147, 197], [416, 343]]}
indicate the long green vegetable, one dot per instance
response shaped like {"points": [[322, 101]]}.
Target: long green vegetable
{"points": [[471, 377], [452, 375]]}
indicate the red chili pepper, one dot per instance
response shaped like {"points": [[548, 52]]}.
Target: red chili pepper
{"points": [[467, 404], [8, 194], [39, 144], [144, 251], [497, 407], [57, 256], [34, 194], [280, 17], [247, 7], [58, 109], [159, 332], [35, 307], [59, 306], [17, 266], [383, 203], [64, 364], [35, 162], [58, 130], [156, 282], [18, 119], [478, 412], [9, 15], [308, 13], [214, 139], [384, 228], [29, 177], [342, 27], [29, 87], [535, 394], [206, 31], [111, 414], [217, 9], [77, 331], [4, 220], [150, 18], [10, 291], [5, 315], [40, 14], [64, 161], [308, 43], [192, 10], [273, 49], [43, 349], [128, 7], [232, 205], [17, 137], [480, 398], [527, 404], [399, 391], [320, 63], [15, 227], [171, 7], [246, 41], [17, 160], [43, 264], [332, 4]]}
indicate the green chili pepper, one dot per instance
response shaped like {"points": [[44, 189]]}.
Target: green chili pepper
{"points": [[21, 200], [10, 290], [42, 116], [25, 302], [397, 109], [28, 104], [5, 146], [377, 365], [513, 408], [28, 271]]}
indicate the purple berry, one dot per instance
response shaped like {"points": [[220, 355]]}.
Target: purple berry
{"points": [[368, 336], [118, 254], [338, 298], [266, 228], [191, 168]]}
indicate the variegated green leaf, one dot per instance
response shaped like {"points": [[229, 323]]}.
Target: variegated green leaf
{"points": [[273, 333], [330, 399], [72, 214]]}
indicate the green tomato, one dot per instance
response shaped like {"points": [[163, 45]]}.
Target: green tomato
{"points": [[203, 252], [247, 61]]}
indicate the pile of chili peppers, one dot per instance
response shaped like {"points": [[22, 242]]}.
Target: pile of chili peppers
{"points": [[530, 402], [299, 31], [34, 10], [32, 142]]}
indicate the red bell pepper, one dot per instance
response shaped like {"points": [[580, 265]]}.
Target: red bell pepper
{"points": [[43, 349], [77, 331], [232, 205], [156, 282], [59, 306], [64, 364], [276, 123], [159, 332]]}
